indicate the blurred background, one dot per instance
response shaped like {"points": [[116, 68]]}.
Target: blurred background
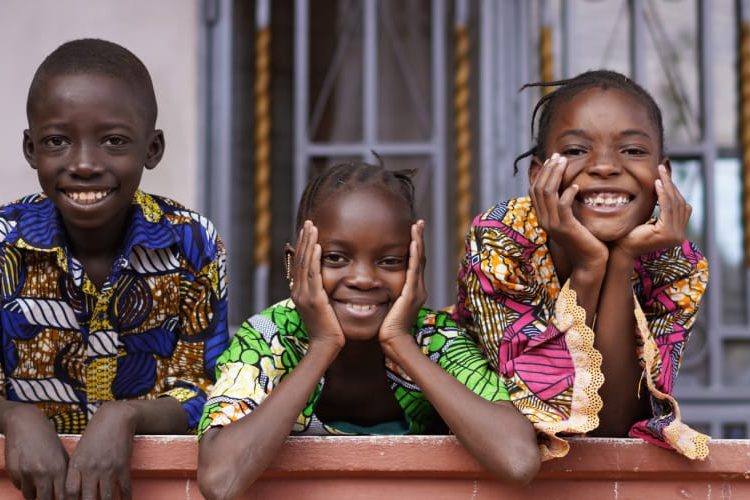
{"points": [[256, 96]]}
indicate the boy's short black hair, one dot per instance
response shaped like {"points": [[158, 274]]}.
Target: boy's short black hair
{"points": [[92, 55], [603, 79]]}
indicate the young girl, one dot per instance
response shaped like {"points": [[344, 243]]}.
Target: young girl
{"points": [[353, 351], [577, 288]]}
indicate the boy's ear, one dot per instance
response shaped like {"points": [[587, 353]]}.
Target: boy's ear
{"points": [[534, 169], [28, 149], [155, 149]]}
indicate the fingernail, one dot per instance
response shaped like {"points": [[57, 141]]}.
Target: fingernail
{"points": [[662, 169], [554, 156], [659, 184]]}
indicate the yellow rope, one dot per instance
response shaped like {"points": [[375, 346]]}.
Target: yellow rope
{"points": [[463, 134], [262, 148], [745, 138], [546, 66]]}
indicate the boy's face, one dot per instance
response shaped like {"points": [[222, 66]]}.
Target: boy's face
{"points": [[364, 235], [612, 149], [89, 139]]}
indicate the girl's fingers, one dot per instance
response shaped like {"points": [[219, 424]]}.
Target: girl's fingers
{"points": [[565, 207]]}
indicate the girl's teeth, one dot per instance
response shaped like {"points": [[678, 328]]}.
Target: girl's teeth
{"points": [[87, 197]]}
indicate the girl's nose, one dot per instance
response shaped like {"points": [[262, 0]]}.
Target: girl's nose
{"points": [[603, 164], [362, 276]]}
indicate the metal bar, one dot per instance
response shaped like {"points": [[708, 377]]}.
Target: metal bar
{"points": [[370, 79], [568, 25], [438, 256], [637, 42], [487, 93], [709, 158], [301, 98], [382, 148]]}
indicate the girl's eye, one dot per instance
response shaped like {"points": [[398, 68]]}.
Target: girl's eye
{"points": [[55, 141], [572, 151], [392, 262], [633, 151], [333, 259]]}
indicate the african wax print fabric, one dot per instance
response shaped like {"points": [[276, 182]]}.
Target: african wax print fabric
{"points": [[272, 343], [535, 334], [155, 328]]}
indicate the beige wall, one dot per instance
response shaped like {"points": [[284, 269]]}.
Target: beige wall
{"points": [[163, 33]]}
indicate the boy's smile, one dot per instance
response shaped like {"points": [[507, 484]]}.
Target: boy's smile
{"points": [[612, 151], [364, 235], [89, 139]]}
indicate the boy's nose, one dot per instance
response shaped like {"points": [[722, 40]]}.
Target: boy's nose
{"points": [[84, 162]]}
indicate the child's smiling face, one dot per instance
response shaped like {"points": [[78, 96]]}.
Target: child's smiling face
{"points": [[364, 234], [89, 139], [613, 152]]}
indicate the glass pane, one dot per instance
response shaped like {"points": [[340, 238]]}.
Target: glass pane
{"points": [[730, 265], [736, 366], [724, 66], [599, 36], [335, 71], [695, 361], [688, 178], [404, 70], [671, 59], [734, 430]]}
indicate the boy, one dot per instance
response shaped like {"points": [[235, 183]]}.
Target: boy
{"points": [[109, 297]]}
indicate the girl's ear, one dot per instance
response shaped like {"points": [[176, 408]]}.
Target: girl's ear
{"points": [[155, 149], [534, 169], [667, 164], [288, 260]]}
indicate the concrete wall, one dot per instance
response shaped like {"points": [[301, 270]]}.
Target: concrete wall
{"points": [[437, 467], [163, 33]]}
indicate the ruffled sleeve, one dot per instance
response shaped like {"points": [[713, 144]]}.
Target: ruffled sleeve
{"points": [[532, 331], [671, 285]]}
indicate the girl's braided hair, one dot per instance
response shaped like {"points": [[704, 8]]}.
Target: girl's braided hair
{"points": [[567, 89]]}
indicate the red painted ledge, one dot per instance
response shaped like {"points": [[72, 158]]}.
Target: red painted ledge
{"points": [[437, 467]]}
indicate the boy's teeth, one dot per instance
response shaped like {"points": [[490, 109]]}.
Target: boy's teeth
{"points": [[87, 197], [606, 199]]}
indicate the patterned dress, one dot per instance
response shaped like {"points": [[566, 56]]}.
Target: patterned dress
{"points": [[271, 344], [535, 334], [155, 328]]}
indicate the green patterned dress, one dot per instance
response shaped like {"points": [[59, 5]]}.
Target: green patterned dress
{"points": [[269, 346]]}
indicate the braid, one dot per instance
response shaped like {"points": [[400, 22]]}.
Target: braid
{"points": [[567, 89], [352, 175]]}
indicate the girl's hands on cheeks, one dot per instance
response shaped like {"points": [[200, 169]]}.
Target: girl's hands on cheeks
{"points": [[556, 217], [308, 293], [402, 315], [670, 227]]}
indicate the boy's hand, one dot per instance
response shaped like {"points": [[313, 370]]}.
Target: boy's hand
{"points": [[670, 227], [400, 319], [100, 465], [308, 293], [34, 456], [556, 217]]}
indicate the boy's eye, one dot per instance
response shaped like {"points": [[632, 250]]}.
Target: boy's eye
{"points": [[55, 141], [115, 140]]}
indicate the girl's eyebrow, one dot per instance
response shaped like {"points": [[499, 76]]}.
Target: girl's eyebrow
{"points": [[635, 132], [575, 132]]}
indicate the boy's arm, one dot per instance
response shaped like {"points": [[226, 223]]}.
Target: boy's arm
{"points": [[34, 456], [100, 464]]}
